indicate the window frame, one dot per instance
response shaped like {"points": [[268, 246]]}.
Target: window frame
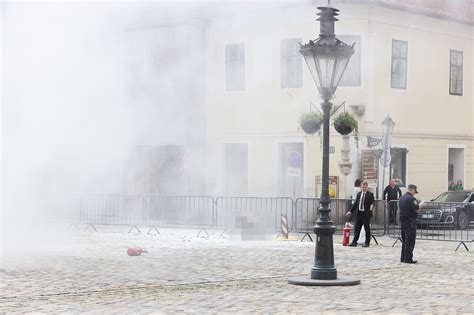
{"points": [[461, 67], [297, 62], [358, 53], [399, 58], [232, 66], [404, 164]]}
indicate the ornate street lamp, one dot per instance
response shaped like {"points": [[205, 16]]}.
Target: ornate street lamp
{"points": [[327, 58], [387, 126]]}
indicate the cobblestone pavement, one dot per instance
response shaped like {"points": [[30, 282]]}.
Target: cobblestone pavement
{"points": [[185, 273]]}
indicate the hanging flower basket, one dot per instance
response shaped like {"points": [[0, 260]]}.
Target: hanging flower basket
{"points": [[345, 124], [311, 122]]}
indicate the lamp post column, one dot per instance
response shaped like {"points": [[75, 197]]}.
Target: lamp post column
{"points": [[327, 58], [324, 268]]}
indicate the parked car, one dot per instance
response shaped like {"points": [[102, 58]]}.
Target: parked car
{"points": [[451, 208]]}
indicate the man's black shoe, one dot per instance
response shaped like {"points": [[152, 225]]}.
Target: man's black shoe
{"points": [[365, 245], [353, 244], [410, 262]]}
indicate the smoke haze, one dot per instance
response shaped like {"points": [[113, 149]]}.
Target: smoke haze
{"points": [[92, 92]]}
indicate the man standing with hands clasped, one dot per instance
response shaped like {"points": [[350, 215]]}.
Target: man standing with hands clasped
{"points": [[363, 205], [391, 193], [409, 209]]}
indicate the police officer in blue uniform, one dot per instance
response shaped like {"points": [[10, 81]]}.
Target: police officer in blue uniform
{"points": [[409, 209]]}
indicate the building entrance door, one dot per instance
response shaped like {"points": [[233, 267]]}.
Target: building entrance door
{"points": [[455, 165]]}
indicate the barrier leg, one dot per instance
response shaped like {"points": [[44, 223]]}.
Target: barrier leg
{"points": [[136, 227], [90, 224], [464, 244], [202, 230], [304, 236], [281, 234], [222, 234], [375, 240], [398, 239], [153, 228]]}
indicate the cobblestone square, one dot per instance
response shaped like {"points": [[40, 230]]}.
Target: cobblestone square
{"points": [[185, 273]]}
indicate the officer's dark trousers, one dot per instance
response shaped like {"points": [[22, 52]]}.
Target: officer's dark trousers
{"points": [[408, 238], [363, 218]]}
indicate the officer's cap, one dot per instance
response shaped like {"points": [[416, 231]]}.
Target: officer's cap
{"points": [[411, 186]]}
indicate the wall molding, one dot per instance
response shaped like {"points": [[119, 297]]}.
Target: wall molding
{"points": [[398, 135]]}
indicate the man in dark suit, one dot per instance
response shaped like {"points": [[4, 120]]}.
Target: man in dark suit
{"points": [[363, 205]]}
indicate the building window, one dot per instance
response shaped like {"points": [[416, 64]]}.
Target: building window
{"points": [[398, 166], [399, 64], [235, 67], [291, 63], [455, 73], [351, 76]]}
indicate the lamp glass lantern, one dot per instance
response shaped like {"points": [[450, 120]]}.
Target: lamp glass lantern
{"points": [[387, 125], [327, 56]]}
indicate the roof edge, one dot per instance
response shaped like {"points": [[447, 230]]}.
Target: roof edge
{"points": [[426, 12]]}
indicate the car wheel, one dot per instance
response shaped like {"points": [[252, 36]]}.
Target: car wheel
{"points": [[463, 221]]}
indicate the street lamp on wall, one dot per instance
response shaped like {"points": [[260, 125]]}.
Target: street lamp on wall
{"points": [[327, 58], [387, 126]]}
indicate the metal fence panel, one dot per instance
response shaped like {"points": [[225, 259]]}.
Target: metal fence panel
{"points": [[379, 219], [190, 211], [112, 210], [306, 214], [67, 210], [438, 221], [266, 212]]}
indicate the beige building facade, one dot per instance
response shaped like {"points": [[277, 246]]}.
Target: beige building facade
{"points": [[413, 64]]}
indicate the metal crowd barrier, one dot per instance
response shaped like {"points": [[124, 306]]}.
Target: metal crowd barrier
{"points": [[438, 221], [255, 213], [68, 210], [306, 214], [50, 210], [379, 219], [112, 210], [179, 211]]}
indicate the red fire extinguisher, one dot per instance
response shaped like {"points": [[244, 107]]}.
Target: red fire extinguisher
{"points": [[346, 232], [135, 251]]}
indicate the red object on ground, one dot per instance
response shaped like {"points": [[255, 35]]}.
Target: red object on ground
{"points": [[135, 251], [346, 232]]}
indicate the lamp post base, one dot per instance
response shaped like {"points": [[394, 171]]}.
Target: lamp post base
{"points": [[302, 280]]}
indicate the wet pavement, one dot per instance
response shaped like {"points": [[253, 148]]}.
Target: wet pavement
{"points": [[185, 273]]}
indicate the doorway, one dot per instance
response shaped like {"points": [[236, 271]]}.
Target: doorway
{"points": [[455, 165]]}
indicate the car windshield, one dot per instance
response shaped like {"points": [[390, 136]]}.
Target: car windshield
{"points": [[452, 196]]}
